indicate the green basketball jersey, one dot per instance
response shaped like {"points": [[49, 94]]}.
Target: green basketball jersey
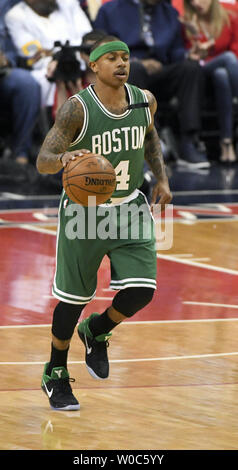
{"points": [[120, 138]]}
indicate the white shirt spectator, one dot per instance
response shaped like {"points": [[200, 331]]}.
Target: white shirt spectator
{"points": [[31, 32]]}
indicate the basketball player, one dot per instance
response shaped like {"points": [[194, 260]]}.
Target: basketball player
{"points": [[104, 118]]}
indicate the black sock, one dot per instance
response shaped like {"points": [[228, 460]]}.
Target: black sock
{"points": [[101, 324], [58, 358]]}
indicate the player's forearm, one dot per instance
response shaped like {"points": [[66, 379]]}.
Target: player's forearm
{"points": [[54, 145], [48, 162], [69, 120], [154, 156]]}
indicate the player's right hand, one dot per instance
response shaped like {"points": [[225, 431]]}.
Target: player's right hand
{"points": [[67, 156]]}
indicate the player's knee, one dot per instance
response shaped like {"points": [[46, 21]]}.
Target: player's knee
{"points": [[65, 318], [131, 300]]}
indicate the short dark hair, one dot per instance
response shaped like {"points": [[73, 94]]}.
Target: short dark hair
{"points": [[106, 38], [89, 39], [93, 36]]}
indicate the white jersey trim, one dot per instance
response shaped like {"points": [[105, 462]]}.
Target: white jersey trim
{"points": [[85, 121], [105, 110], [147, 110]]}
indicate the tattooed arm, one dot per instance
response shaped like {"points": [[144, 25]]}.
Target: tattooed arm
{"points": [[53, 154], [154, 158]]}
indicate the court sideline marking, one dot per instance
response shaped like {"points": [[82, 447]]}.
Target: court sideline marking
{"points": [[118, 361], [143, 322], [175, 259], [198, 265]]}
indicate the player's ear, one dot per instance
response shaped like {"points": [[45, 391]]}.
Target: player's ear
{"points": [[93, 66]]}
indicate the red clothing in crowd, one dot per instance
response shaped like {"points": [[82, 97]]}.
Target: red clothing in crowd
{"points": [[227, 41], [178, 4], [55, 104]]}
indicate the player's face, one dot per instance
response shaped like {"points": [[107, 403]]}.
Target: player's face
{"points": [[112, 68]]}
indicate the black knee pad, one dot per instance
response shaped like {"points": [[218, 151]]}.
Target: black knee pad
{"points": [[129, 301], [65, 318]]}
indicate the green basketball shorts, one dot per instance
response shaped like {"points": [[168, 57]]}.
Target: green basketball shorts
{"points": [[124, 233]]}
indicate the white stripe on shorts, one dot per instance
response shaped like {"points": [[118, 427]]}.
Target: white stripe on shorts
{"points": [[133, 282], [138, 279], [78, 298]]}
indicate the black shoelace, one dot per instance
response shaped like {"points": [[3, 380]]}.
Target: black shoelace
{"points": [[63, 387]]}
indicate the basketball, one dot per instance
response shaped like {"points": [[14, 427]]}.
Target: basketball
{"points": [[90, 175]]}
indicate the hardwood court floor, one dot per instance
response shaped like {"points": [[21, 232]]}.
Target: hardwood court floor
{"points": [[173, 368]]}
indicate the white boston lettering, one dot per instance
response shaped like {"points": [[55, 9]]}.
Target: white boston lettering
{"points": [[142, 136], [106, 143], [135, 137], [126, 131], [96, 144], [117, 140]]}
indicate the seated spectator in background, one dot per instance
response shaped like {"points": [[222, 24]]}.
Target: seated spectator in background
{"points": [[212, 36], [154, 35], [19, 94], [67, 81], [35, 25], [230, 4]]}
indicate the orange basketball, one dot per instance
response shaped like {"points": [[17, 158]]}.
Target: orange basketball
{"points": [[90, 175]]}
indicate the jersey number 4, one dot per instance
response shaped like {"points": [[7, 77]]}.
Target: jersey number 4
{"points": [[122, 175]]}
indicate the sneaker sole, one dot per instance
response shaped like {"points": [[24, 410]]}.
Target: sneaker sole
{"points": [[95, 376], [67, 408]]}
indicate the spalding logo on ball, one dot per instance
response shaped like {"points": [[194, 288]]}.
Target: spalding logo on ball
{"points": [[90, 175]]}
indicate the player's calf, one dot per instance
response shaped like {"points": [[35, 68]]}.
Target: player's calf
{"points": [[129, 301]]}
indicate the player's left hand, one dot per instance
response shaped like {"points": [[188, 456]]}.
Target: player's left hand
{"points": [[162, 191]]}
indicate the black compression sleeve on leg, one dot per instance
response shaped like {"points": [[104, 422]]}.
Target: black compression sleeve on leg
{"points": [[65, 318], [129, 301]]}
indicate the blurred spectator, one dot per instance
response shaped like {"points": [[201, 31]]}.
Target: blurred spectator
{"points": [[18, 105], [212, 36], [35, 25], [154, 35], [230, 4], [67, 86], [91, 7]]}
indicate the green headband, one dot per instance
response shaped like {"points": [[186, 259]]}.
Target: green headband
{"points": [[108, 47]]}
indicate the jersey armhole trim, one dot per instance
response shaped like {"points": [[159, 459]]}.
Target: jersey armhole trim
{"points": [[85, 121], [147, 110]]}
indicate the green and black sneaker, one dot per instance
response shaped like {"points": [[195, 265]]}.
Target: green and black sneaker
{"points": [[58, 389], [96, 350]]}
